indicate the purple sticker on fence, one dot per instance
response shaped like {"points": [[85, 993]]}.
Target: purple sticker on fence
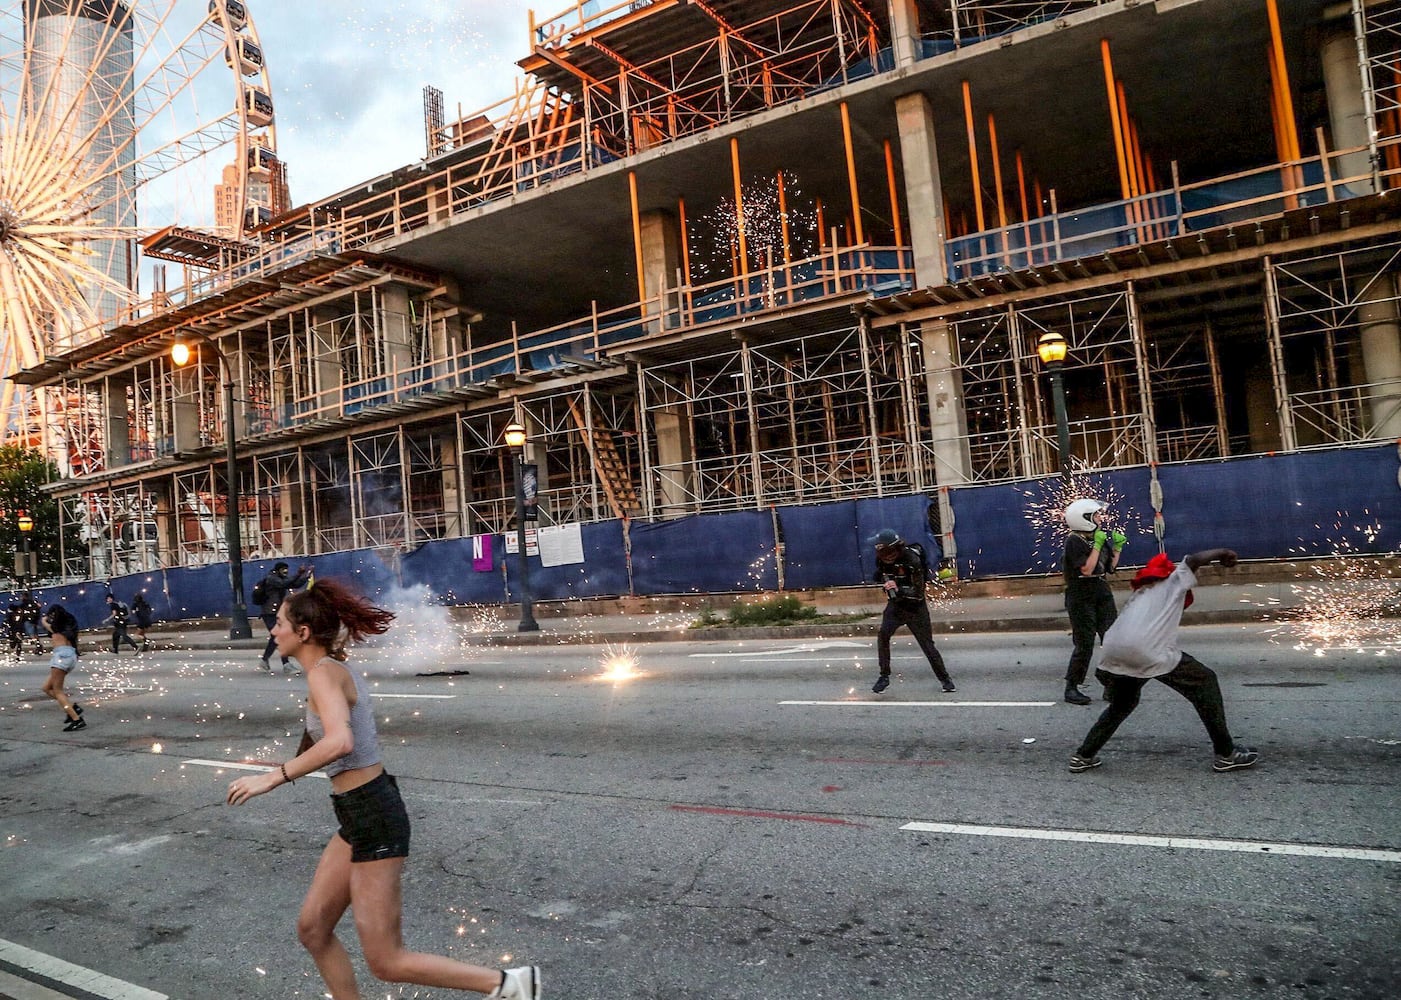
{"points": [[481, 553]]}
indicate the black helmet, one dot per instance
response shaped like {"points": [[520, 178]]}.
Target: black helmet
{"points": [[886, 537]]}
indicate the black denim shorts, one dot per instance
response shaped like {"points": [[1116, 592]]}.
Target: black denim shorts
{"points": [[373, 820]]}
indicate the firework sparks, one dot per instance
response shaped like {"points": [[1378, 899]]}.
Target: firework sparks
{"points": [[619, 665], [1351, 600], [1046, 500]]}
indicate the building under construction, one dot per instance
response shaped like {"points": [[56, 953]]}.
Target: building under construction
{"points": [[785, 264]]}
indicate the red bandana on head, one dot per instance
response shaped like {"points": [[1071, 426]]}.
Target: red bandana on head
{"points": [[1160, 567]]}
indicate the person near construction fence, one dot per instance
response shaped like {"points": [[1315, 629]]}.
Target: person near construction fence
{"points": [[268, 594], [141, 608], [1091, 556], [119, 617], [902, 569], [1142, 645], [63, 634]]}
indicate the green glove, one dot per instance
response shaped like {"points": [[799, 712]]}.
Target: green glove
{"points": [[1119, 539], [1100, 538]]}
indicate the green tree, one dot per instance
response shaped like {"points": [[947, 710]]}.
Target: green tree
{"points": [[23, 474]]}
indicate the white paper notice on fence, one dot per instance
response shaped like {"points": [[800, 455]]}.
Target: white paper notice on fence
{"points": [[561, 545]]}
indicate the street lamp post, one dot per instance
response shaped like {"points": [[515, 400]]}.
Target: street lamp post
{"points": [[27, 569], [1051, 347], [515, 440], [238, 615]]}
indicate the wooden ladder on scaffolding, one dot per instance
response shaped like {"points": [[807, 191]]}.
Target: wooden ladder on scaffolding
{"points": [[612, 473]]}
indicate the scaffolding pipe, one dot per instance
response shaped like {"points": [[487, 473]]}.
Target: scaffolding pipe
{"points": [[743, 270], [851, 174], [1369, 94], [1116, 126], [894, 199], [1281, 385], [636, 241], [973, 155]]}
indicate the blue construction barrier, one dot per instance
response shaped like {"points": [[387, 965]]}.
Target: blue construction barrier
{"points": [[707, 553], [603, 573], [1296, 506]]}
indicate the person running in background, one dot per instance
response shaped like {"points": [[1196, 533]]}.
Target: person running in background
{"points": [[362, 866], [29, 604], [269, 593], [141, 608], [903, 572], [118, 616], [1143, 645], [14, 629], [1091, 554], [63, 633]]}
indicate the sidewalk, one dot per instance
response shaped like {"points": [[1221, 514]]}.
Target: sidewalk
{"points": [[1023, 605]]}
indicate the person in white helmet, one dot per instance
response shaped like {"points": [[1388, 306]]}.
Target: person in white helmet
{"points": [[1091, 555]]}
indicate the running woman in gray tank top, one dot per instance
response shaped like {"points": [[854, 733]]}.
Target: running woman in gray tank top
{"points": [[313, 627]]}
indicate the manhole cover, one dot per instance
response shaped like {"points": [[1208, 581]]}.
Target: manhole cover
{"points": [[1284, 684]]}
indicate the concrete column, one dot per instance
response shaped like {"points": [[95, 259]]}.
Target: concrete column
{"points": [[1347, 110], [674, 450], [948, 421], [114, 405], [452, 491], [395, 332], [184, 407], [924, 196], [904, 31], [325, 364], [1381, 356], [1262, 421], [661, 256]]}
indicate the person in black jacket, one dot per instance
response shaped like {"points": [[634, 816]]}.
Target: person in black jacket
{"points": [[119, 616], [270, 592], [144, 613], [903, 571]]}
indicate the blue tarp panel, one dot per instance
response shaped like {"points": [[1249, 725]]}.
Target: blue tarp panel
{"points": [[821, 545], [1282, 506], [1010, 529], [908, 515], [603, 573], [445, 568], [708, 553]]}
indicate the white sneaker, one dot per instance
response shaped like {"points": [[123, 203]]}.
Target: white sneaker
{"points": [[291, 669], [519, 984], [264, 665]]}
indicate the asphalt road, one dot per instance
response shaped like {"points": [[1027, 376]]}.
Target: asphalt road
{"points": [[733, 821]]}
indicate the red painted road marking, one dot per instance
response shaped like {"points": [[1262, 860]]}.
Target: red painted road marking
{"points": [[762, 814]]}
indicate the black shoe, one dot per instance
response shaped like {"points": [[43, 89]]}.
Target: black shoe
{"points": [[1075, 696], [949, 688], [75, 724], [882, 682]]}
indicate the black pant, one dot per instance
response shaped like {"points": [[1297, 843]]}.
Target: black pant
{"points": [[916, 617], [1192, 680], [270, 648], [1091, 611], [119, 636]]}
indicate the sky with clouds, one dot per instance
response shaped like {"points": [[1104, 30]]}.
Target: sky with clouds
{"points": [[348, 77]]}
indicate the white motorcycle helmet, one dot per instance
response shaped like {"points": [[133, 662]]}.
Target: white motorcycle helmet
{"points": [[1080, 516]]}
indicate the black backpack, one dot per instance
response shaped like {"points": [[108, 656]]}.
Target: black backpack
{"points": [[260, 593]]}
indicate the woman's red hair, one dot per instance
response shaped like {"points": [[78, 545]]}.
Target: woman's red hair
{"points": [[335, 614]]}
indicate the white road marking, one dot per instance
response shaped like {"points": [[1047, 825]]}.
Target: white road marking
{"points": [[238, 765], [1185, 843], [815, 647], [73, 975], [926, 704]]}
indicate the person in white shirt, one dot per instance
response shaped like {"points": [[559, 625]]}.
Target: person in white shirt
{"points": [[1142, 645]]}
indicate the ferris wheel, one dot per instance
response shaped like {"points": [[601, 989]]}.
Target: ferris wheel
{"points": [[118, 119]]}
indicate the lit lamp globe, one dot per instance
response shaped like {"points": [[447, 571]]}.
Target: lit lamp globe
{"points": [[515, 435], [180, 353], [1051, 347]]}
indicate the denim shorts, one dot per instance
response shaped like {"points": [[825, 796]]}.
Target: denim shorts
{"points": [[373, 820], [64, 658]]}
